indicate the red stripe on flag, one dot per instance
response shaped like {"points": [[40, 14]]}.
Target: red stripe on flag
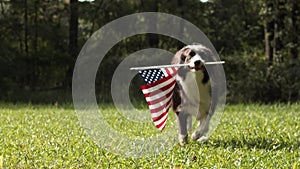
{"points": [[160, 108], [160, 116], [175, 69], [160, 99], [159, 90], [167, 71], [159, 125]]}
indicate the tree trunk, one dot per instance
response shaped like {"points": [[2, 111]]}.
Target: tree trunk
{"points": [[279, 30], [33, 74], [2, 9], [26, 27], [295, 30], [73, 42], [269, 32], [181, 28], [97, 8], [153, 38], [26, 75], [35, 40], [294, 93], [73, 29]]}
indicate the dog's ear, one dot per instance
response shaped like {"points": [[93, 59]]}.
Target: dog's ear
{"points": [[179, 57], [184, 54], [182, 57]]}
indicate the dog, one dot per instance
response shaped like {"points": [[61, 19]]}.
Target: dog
{"points": [[192, 93]]}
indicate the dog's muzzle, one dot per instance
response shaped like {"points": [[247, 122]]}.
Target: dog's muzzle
{"points": [[196, 65]]}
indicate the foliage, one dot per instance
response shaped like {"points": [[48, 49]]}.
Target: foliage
{"points": [[252, 80], [35, 42], [249, 136]]}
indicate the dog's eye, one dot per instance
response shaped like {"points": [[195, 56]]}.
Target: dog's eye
{"points": [[192, 53]]}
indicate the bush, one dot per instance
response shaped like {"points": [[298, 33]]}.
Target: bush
{"points": [[249, 79]]}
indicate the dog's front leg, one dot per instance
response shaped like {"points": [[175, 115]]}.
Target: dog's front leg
{"points": [[200, 132], [182, 119]]}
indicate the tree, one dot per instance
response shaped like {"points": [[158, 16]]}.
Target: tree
{"points": [[269, 30], [295, 29], [152, 6], [73, 41], [279, 29]]}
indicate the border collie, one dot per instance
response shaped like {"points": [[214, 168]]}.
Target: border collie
{"points": [[192, 94]]}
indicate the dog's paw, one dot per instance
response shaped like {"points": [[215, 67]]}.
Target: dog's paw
{"points": [[194, 136], [202, 139], [183, 140]]}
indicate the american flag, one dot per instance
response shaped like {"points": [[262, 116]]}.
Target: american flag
{"points": [[158, 92]]}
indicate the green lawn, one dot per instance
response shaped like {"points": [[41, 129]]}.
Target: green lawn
{"points": [[249, 136]]}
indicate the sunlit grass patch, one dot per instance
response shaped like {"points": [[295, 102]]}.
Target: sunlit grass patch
{"points": [[249, 136]]}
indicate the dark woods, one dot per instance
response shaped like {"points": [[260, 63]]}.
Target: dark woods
{"points": [[40, 40]]}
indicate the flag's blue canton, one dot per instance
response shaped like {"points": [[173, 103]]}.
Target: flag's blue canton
{"points": [[151, 75]]}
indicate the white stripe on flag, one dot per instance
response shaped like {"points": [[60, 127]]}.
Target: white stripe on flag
{"points": [[159, 86], [157, 114], [171, 71], [160, 120], [161, 94], [159, 104], [165, 72], [163, 125]]}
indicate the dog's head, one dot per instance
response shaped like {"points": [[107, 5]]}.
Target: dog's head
{"points": [[193, 55], [192, 58]]}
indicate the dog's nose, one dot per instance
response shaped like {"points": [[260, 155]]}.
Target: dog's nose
{"points": [[197, 63]]}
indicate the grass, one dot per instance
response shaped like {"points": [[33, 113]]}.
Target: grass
{"points": [[249, 136]]}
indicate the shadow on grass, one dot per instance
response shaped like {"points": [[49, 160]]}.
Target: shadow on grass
{"points": [[257, 143]]}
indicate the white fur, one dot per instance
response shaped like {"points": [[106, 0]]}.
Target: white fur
{"points": [[193, 60], [190, 84]]}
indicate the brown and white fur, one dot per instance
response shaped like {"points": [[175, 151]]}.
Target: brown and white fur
{"points": [[192, 94]]}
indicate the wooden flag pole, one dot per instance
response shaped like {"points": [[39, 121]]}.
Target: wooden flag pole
{"points": [[174, 65]]}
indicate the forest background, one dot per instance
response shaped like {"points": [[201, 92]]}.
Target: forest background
{"points": [[40, 41]]}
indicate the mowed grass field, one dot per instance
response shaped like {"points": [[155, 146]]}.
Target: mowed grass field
{"points": [[249, 136]]}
